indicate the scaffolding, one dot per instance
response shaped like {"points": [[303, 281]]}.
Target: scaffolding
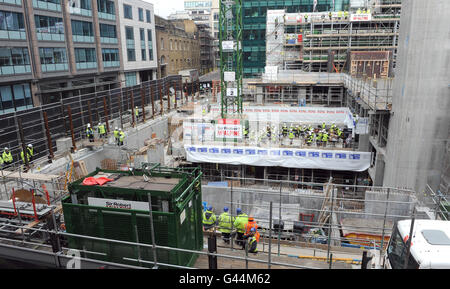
{"points": [[315, 42]]}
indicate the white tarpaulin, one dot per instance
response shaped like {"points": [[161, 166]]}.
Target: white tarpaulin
{"points": [[298, 115], [282, 157], [198, 131]]}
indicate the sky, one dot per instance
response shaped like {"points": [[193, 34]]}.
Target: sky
{"points": [[164, 8]]}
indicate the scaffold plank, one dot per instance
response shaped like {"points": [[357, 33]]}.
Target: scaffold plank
{"points": [[29, 176]]}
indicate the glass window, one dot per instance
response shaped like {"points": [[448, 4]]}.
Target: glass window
{"points": [[49, 55], [46, 24], [127, 12], [129, 34], [143, 54], [14, 56], [397, 251], [142, 34], [11, 21], [106, 6], [15, 97], [131, 55], [83, 4], [149, 35], [130, 79], [85, 55], [149, 18], [110, 54], [82, 28], [108, 31], [141, 14], [7, 97]]}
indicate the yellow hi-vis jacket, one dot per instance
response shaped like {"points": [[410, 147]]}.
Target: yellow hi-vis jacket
{"points": [[240, 222], [225, 222], [209, 218]]}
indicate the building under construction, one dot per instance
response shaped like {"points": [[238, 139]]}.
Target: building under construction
{"points": [[320, 202]]}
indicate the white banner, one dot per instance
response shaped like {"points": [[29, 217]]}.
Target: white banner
{"points": [[118, 204], [283, 157], [227, 45], [229, 129], [197, 131], [229, 76], [360, 17], [298, 115]]}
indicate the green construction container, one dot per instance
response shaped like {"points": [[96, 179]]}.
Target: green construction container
{"points": [[119, 210]]}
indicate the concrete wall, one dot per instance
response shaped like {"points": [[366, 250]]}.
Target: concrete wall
{"points": [[258, 203], [420, 121]]}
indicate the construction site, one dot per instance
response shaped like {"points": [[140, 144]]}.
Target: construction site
{"points": [[306, 150]]}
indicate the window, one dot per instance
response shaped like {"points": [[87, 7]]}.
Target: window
{"points": [[82, 31], [53, 59], [50, 55], [15, 97], [129, 34], [108, 31], [397, 252], [106, 6], [142, 34], [14, 60], [130, 79], [143, 54], [85, 58], [46, 24], [53, 5], [162, 43], [150, 44], [141, 14], [110, 57], [11, 21], [131, 54], [82, 7], [127, 12], [149, 18]]}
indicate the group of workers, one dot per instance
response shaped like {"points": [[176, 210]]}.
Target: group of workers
{"points": [[246, 229], [320, 135], [6, 158], [119, 135]]}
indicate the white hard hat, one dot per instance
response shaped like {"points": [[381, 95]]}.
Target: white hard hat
{"points": [[116, 128], [30, 145], [99, 123], [120, 129], [88, 125], [6, 148]]}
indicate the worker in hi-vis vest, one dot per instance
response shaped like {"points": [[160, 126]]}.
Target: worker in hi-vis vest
{"points": [[121, 137], [7, 157], [239, 223], [116, 135], [90, 133], [30, 151], [253, 239], [209, 219], [136, 113], [101, 130], [225, 222]]}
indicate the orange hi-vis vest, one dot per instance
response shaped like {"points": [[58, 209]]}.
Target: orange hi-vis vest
{"points": [[249, 226]]}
